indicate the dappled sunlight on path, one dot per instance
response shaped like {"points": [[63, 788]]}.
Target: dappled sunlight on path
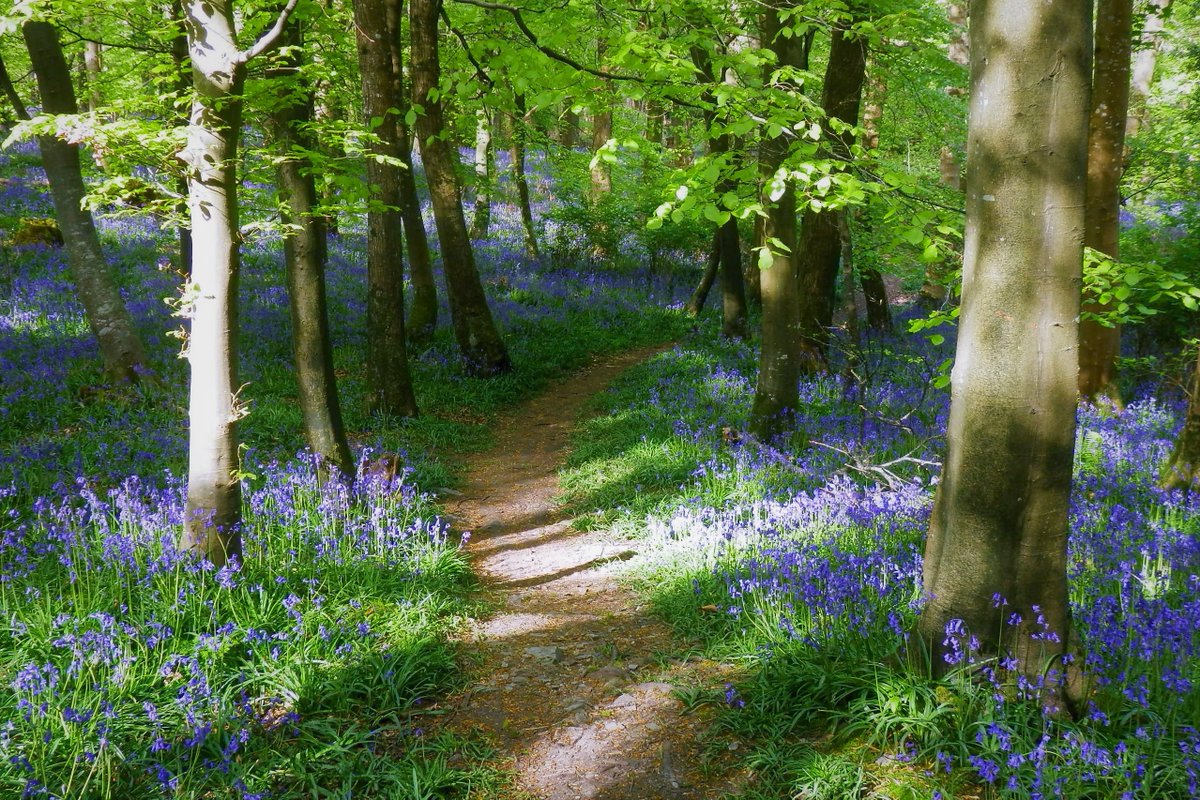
{"points": [[574, 679]]}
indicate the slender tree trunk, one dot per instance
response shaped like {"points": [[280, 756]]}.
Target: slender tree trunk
{"points": [[485, 168], [934, 292], [568, 129], [482, 348], [751, 274], [734, 313], [820, 238], [120, 347], [602, 131], [1099, 345], [1182, 470], [879, 311], [304, 250], [213, 512], [518, 165], [93, 61], [695, 303], [849, 292], [1143, 66], [999, 524], [389, 385], [777, 393], [423, 314]]}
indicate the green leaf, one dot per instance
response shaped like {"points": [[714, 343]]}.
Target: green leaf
{"points": [[765, 258], [913, 236], [714, 214]]}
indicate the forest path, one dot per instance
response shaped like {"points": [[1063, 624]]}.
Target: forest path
{"points": [[573, 679]]}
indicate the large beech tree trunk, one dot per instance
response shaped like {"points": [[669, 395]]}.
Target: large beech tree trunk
{"points": [[999, 524], [120, 347], [304, 250], [777, 394], [820, 234], [389, 385], [1099, 345], [482, 348]]}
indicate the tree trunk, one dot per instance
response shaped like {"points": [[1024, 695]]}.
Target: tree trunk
{"points": [[213, 512], [695, 303], [849, 291], [1143, 66], [777, 393], [1099, 345], [304, 251], [93, 61], [934, 292], [120, 347], [602, 131], [820, 238], [423, 314], [568, 129], [1182, 470], [482, 348], [751, 274], [734, 314], [879, 311], [518, 166], [999, 524], [484, 169], [389, 385]]}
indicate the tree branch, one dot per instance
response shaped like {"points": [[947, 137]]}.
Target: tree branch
{"points": [[549, 52], [479, 70], [6, 85], [271, 37]]}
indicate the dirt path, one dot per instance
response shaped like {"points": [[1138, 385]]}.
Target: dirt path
{"points": [[574, 679]]}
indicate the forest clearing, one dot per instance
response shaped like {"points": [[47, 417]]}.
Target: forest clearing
{"points": [[474, 401]]}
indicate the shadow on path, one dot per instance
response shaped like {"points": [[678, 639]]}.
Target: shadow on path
{"points": [[575, 680]]}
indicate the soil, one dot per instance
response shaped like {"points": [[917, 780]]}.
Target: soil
{"points": [[572, 679]]}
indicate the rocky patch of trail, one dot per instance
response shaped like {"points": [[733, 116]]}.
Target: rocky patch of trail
{"points": [[574, 680]]}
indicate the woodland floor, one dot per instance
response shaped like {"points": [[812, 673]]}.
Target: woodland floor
{"points": [[571, 679]]}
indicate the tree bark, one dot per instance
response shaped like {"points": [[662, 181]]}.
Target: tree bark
{"points": [[777, 393], [1182, 470], [482, 348], [485, 168], [1099, 345], [602, 131], [389, 384], [423, 313], [695, 303], [999, 524], [111, 324], [879, 310], [820, 238], [518, 166], [213, 511], [1143, 66], [304, 251]]}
